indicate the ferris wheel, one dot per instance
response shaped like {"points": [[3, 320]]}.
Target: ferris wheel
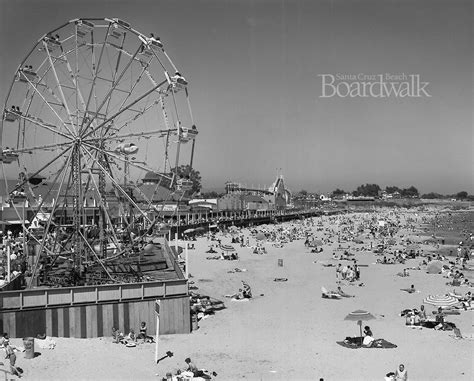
{"points": [[94, 107]]}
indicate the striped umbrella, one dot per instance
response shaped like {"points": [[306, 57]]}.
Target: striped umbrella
{"points": [[440, 300], [359, 316], [227, 248]]}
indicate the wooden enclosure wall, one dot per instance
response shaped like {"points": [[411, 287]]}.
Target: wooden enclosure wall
{"points": [[97, 320]]}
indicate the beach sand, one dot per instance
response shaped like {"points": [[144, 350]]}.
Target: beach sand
{"points": [[287, 331]]}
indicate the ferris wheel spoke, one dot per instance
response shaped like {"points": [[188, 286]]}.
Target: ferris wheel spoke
{"points": [[134, 118], [73, 76], [178, 123], [144, 134], [50, 107], [48, 225], [117, 65], [114, 86], [88, 133], [36, 173], [95, 69], [49, 127], [50, 190], [114, 183], [133, 88], [123, 160], [103, 204], [39, 148], [58, 83]]}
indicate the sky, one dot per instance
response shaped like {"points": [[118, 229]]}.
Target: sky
{"points": [[254, 69]]}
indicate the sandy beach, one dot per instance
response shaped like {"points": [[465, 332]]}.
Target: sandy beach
{"points": [[287, 331]]}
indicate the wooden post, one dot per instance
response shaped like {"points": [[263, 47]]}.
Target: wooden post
{"points": [[176, 243], [157, 313], [9, 270], [186, 260]]}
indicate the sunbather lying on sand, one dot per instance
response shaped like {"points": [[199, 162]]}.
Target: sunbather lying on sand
{"points": [[329, 294], [410, 290]]}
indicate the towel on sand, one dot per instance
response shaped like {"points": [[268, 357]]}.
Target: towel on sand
{"points": [[379, 343]]}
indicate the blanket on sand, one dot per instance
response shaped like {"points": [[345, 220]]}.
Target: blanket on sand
{"points": [[379, 343]]}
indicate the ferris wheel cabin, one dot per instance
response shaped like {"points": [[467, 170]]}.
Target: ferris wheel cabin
{"points": [[52, 42], [83, 28], [7, 156], [11, 115], [177, 82], [115, 31], [188, 134], [150, 44], [27, 74]]}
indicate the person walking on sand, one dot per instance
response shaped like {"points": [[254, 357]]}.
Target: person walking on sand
{"points": [[338, 273]]}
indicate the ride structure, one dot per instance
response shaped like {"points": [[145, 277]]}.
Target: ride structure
{"points": [[92, 108]]}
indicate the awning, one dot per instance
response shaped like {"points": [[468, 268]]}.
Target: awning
{"points": [[14, 222]]}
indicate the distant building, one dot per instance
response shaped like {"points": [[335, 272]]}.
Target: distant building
{"points": [[276, 197]]}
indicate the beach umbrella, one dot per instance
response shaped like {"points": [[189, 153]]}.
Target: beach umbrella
{"points": [[359, 316], [260, 237], [434, 267], [227, 248], [187, 231], [441, 300]]}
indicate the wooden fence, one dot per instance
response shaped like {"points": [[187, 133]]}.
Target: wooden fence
{"points": [[92, 311]]}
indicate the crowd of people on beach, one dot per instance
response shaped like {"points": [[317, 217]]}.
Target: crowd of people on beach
{"points": [[392, 237]]}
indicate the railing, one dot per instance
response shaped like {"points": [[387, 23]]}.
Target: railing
{"points": [[49, 297], [173, 258]]}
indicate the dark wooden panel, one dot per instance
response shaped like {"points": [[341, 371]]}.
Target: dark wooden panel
{"points": [[115, 317], [54, 322], [30, 323], [126, 317], [60, 322], [100, 321], [83, 322], [66, 321]]}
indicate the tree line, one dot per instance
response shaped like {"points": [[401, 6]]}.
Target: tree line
{"points": [[374, 190]]}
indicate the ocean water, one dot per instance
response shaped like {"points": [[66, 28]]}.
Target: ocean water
{"points": [[453, 228]]}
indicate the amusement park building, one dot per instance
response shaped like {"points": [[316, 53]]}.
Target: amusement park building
{"points": [[276, 197]]}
